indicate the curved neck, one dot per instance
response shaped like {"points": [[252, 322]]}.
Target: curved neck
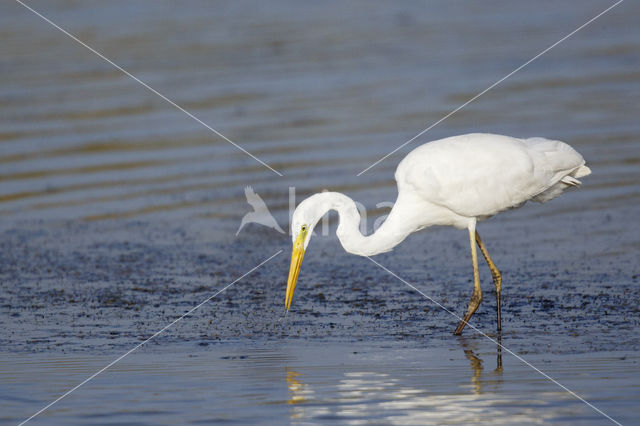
{"points": [[392, 232]]}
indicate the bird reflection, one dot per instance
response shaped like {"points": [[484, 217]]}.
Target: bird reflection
{"points": [[298, 391], [376, 393], [476, 363], [476, 368]]}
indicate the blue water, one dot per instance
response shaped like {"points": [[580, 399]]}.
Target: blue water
{"points": [[276, 382], [118, 213]]}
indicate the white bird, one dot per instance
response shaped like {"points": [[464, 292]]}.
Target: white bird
{"points": [[456, 181], [260, 213]]}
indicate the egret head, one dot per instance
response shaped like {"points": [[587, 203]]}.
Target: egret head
{"points": [[304, 219]]}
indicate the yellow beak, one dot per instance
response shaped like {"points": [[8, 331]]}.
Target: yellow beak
{"points": [[294, 269]]}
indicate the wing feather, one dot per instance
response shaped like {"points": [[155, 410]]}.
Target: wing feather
{"points": [[479, 175]]}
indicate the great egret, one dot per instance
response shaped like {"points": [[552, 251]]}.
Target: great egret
{"points": [[456, 181]]}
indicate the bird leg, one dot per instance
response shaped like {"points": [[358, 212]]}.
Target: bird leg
{"points": [[497, 277], [476, 297]]}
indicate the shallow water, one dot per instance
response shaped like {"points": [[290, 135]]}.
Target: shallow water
{"points": [[118, 213], [458, 382]]}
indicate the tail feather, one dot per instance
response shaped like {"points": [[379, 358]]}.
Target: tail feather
{"points": [[570, 180], [582, 171]]}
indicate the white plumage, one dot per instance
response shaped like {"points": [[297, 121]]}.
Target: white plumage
{"points": [[480, 175], [455, 181]]}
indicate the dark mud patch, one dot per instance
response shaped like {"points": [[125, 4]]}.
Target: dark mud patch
{"points": [[79, 287]]}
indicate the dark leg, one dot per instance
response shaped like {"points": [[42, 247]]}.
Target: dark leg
{"points": [[476, 297], [499, 354], [495, 273]]}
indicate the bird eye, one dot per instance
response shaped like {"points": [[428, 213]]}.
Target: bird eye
{"points": [[304, 227]]}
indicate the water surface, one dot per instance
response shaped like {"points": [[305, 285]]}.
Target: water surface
{"points": [[118, 213]]}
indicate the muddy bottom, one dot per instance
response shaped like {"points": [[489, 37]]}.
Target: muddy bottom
{"points": [[95, 287]]}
